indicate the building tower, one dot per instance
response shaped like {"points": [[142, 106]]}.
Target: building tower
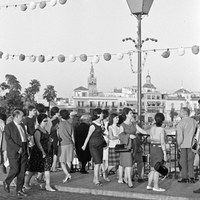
{"points": [[92, 83]]}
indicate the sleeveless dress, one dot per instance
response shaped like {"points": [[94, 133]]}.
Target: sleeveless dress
{"points": [[126, 158], [36, 162], [96, 144]]}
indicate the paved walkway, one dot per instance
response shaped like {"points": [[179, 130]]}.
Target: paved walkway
{"points": [[82, 183]]}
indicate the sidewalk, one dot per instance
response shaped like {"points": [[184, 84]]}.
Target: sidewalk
{"points": [[82, 183]]}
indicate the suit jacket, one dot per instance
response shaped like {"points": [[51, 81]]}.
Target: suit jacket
{"points": [[13, 139]]}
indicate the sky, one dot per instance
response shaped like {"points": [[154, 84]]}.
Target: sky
{"points": [[95, 27]]}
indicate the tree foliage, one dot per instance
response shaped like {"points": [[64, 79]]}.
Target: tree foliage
{"points": [[12, 97], [29, 93], [49, 93]]}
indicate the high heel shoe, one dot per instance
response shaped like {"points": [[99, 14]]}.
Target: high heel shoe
{"points": [[50, 189], [105, 177], [130, 185], [68, 177]]}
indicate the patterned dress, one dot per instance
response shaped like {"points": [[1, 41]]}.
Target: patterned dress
{"points": [[36, 162]]}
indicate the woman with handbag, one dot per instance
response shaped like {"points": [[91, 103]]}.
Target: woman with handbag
{"points": [[157, 151], [127, 133], [96, 144], [41, 157]]}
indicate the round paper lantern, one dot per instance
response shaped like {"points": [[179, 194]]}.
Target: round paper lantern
{"points": [[83, 57], [107, 56], [120, 56], [166, 54], [42, 4], [21, 57], [72, 58], [61, 58], [5, 56], [53, 2], [41, 58], [62, 2], [32, 58], [195, 49], [181, 51], [95, 59], [32, 5], [49, 58], [23, 7], [1, 53]]}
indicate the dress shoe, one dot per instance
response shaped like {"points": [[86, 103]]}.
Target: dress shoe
{"points": [[6, 187], [27, 187], [21, 194], [68, 177], [197, 191], [149, 187], [183, 180], [158, 189], [50, 189]]}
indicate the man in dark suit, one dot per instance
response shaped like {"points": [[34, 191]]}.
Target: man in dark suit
{"points": [[16, 139]]}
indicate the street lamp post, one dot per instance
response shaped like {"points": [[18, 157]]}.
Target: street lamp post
{"points": [[139, 8]]}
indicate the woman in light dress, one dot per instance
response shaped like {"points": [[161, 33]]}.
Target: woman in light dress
{"points": [[66, 147]]}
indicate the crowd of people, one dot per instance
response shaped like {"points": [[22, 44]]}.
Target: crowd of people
{"points": [[38, 144]]}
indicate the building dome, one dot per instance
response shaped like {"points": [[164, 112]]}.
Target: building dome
{"points": [[148, 85]]}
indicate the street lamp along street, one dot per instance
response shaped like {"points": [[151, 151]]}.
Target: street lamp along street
{"points": [[139, 8]]}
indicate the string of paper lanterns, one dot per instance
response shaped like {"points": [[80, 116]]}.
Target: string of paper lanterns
{"points": [[96, 58], [33, 5]]}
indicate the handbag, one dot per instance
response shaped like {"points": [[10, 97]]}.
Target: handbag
{"points": [[121, 148], [161, 168]]}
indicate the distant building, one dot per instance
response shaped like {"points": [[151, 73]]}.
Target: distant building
{"points": [[152, 102], [92, 83]]}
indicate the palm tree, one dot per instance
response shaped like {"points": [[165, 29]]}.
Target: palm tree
{"points": [[27, 97], [34, 88], [49, 94]]}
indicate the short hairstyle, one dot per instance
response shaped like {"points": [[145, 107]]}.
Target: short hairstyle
{"points": [[105, 113], [54, 111], [96, 112], [85, 117], [111, 117], [3, 117], [41, 108], [17, 112], [64, 114], [159, 118], [125, 112], [186, 110], [31, 107], [41, 117]]}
